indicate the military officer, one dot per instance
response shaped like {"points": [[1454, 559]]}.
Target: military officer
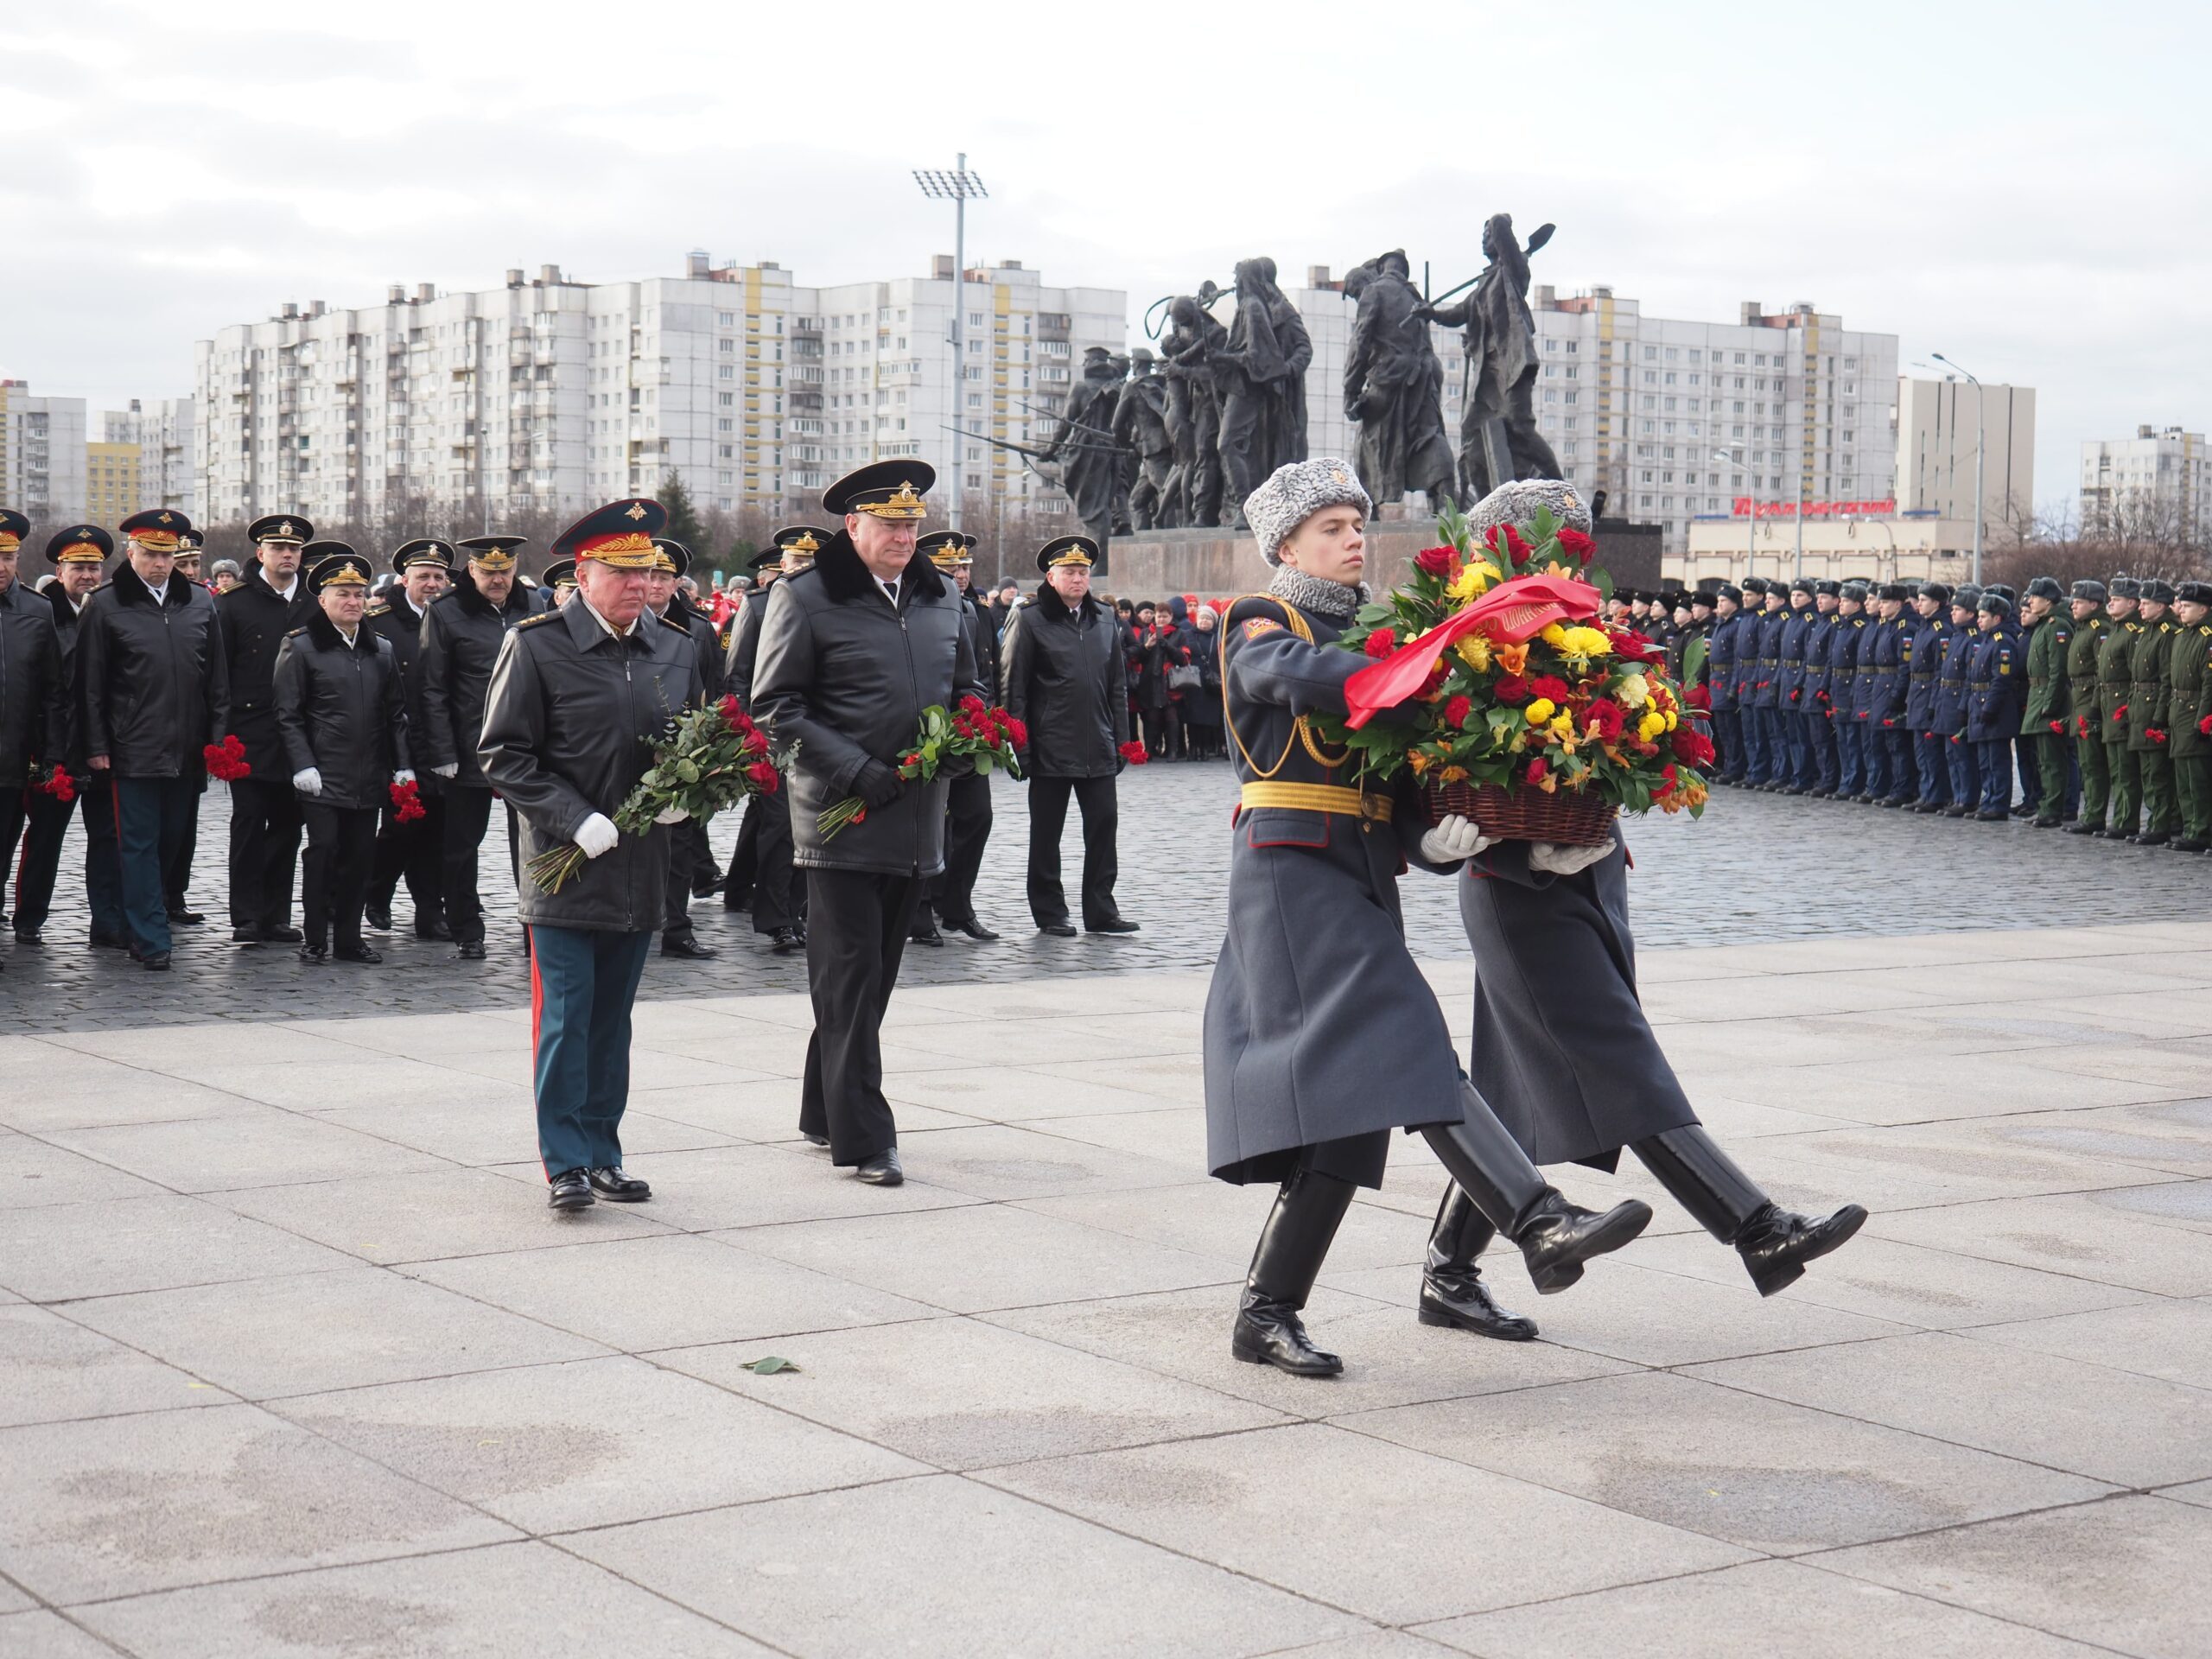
{"points": [[778, 893], [2189, 716], [151, 692], [1949, 708], [461, 637], [34, 715], [690, 859], [1845, 648], [176, 869], [1819, 727], [254, 619], [1993, 704], [1888, 737], [560, 583], [951, 897], [1720, 684], [77, 554], [188, 548], [414, 850], [1800, 772], [575, 701], [2045, 726], [2086, 601], [341, 715], [2149, 733], [1766, 690], [2115, 680], [1931, 638]]}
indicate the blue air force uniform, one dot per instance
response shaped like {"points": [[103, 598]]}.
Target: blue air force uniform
{"points": [[1931, 640]]}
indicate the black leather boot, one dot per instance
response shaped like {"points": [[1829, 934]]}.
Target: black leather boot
{"points": [[1556, 1237], [1775, 1243], [1292, 1245], [1452, 1288]]}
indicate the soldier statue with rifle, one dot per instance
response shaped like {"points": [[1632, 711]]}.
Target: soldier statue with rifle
{"points": [[1498, 439]]}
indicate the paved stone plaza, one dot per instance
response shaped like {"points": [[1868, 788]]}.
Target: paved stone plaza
{"points": [[294, 1360]]}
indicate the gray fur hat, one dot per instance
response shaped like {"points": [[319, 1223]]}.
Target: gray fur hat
{"points": [[1515, 504], [1296, 491]]}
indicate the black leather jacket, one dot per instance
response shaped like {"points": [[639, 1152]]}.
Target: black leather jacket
{"points": [[34, 710], [568, 732], [254, 618], [461, 636], [150, 682], [704, 641], [400, 626], [1067, 681], [745, 644], [338, 709], [847, 677]]}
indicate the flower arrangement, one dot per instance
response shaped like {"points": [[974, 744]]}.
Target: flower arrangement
{"points": [[57, 783], [226, 762], [407, 804], [708, 759], [1517, 690], [989, 736], [1134, 753]]}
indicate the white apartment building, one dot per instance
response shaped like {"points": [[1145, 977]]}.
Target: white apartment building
{"points": [[1938, 423], [1642, 407], [2151, 486], [560, 393], [167, 452], [43, 458]]}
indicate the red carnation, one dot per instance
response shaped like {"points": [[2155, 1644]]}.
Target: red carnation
{"points": [[973, 705], [763, 776], [1437, 561], [1456, 712], [1693, 747], [2058, 728], [1135, 754], [2205, 725], [1550, 685], [225, 761], [1503, 538], [1017, 732], [60, 785], [1380, 644], [1511, 688], [1574, 542], [1538, 771], [2154, 735]]}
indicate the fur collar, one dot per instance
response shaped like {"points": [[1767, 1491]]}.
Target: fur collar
{"points": [[1049, 599], [465, 592], [1330, 599], [323, 633], [844, 578], [131, 589]]}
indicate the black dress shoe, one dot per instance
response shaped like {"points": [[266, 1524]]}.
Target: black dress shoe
{"points": [[2152, 838], [708, 891], [1463, 1301], [814, 1139], [154, 962], [924, 933], [367, 954], [246, 936], [785, 940], [882, 1170], [2082, 827], [1560, 1237], [571, 1190], [619, 1187], [1777, 1244], [183, 917], [2024, 811], [1058, 929], [975, 930], [280, 936], [689, 949], [433, 929], [469, 950], [378, 916], [1111, 924], [1992, 817], [314, 954], [108, 941], [2185, 844], [32, 935], [1269, 1332], [2046, 823]]}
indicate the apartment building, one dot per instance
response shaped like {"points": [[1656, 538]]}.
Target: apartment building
{"points": [[42, 456]]}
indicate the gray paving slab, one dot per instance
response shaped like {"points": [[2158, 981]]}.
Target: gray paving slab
{"points": [[508, 1601], [2168, 1339], [37, 1105], [2183, 1204], [961, 1394], [1235, 1500], [956, 1568], [48, 1635], [2089, 1420], [1376, 1644], [2076, 1235], [39, 1173], [1750, 1612], [302, 1333], [758, 1186], [13, 1600], [52, 1368], [1209, 1219], [1674, 1449], [162, 1499], [592, 1443], [764, 1110], [999, 1161], [675, 1291], [268, 1148], [120, 1245], [2127, 1572]]}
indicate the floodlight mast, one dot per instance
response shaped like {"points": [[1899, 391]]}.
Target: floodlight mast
{"points": [[957, 186]]}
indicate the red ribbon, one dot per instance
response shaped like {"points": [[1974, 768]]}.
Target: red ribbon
{"points": [[1510, 613]]}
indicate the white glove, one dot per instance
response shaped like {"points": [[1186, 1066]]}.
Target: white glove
{"points": [[403, 776], [596, 835], [671, 814], [1454, 840], [1566, 860], [447, 771], [309, 782]]}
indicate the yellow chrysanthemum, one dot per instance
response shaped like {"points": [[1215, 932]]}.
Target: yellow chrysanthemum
{"points": [[1562, 724], [1633, 692], [1650, 726], [1474, 650], [1473, 580], [1673, 720], [1588, 642], [1554, 636], [1540, 711]]}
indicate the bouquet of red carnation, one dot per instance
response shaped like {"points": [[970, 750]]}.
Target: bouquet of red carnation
{"points": [[2205, 725], [407, 804], [226, 762], [58, 784], [1134, 753], [706, 760], [988, 736]]}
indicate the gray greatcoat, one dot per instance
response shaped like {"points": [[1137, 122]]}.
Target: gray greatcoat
{"points": [[1562, 1051], [1321, 1036]]}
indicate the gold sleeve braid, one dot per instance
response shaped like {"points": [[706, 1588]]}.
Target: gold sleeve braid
{"points": [[1301, 729]]}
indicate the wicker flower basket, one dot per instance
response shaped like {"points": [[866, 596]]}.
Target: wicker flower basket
{"points": [[1566, 816]]}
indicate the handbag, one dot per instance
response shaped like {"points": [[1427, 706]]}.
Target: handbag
{"points": [[1184, 676]]}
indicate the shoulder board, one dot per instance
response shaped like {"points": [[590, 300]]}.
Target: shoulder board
{"points": [[378, 609], [294, 634], [683, 628], [537, 621]]}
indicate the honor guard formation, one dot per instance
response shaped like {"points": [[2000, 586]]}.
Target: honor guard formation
{"points": [[2088, 709]]}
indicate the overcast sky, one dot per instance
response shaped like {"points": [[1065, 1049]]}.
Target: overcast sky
{"points": [[2023, 187]]}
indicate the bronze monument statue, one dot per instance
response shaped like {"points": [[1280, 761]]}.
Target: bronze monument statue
{"points": [[1394, 386], [1498, 439]]}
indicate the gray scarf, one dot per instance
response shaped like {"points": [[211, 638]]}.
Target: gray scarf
{"points": [[1330, 599]]}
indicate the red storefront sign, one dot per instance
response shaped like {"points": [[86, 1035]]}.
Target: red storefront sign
{"points": [[1743, 508]]}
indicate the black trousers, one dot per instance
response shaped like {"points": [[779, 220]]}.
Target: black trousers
{"points": [[856, 932], [1048, 816], [414, 853], [967, 828], [342, 848], [265, 844], [779, 892], [687, 853], [47, 825], [745, 857], [468, 814], [176, 875]]}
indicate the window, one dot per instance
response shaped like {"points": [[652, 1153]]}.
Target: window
{"points": [[1651, 353]]}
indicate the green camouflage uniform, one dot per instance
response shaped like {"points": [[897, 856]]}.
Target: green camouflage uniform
{"points": [[2189, 706], [2044, 722], [2081, 700], [2146, 713], [2115, 678]]}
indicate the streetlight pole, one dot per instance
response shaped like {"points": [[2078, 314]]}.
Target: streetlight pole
{"points": [[1978, 432], [1751, 483], [958, 185]]}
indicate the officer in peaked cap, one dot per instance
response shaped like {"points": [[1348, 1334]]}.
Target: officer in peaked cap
{"points": [[578, 698], [189, 545], [2188, 715], [2045, 743], [413, 850], [690, 863], [341, 715], [2092, 624], [2150, 733], [851, 652], [1896, 779], [951, 897], [255, 618], [1929, 638], [33, 719], [559, 582], [1720, 684], [1993, 702]]}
